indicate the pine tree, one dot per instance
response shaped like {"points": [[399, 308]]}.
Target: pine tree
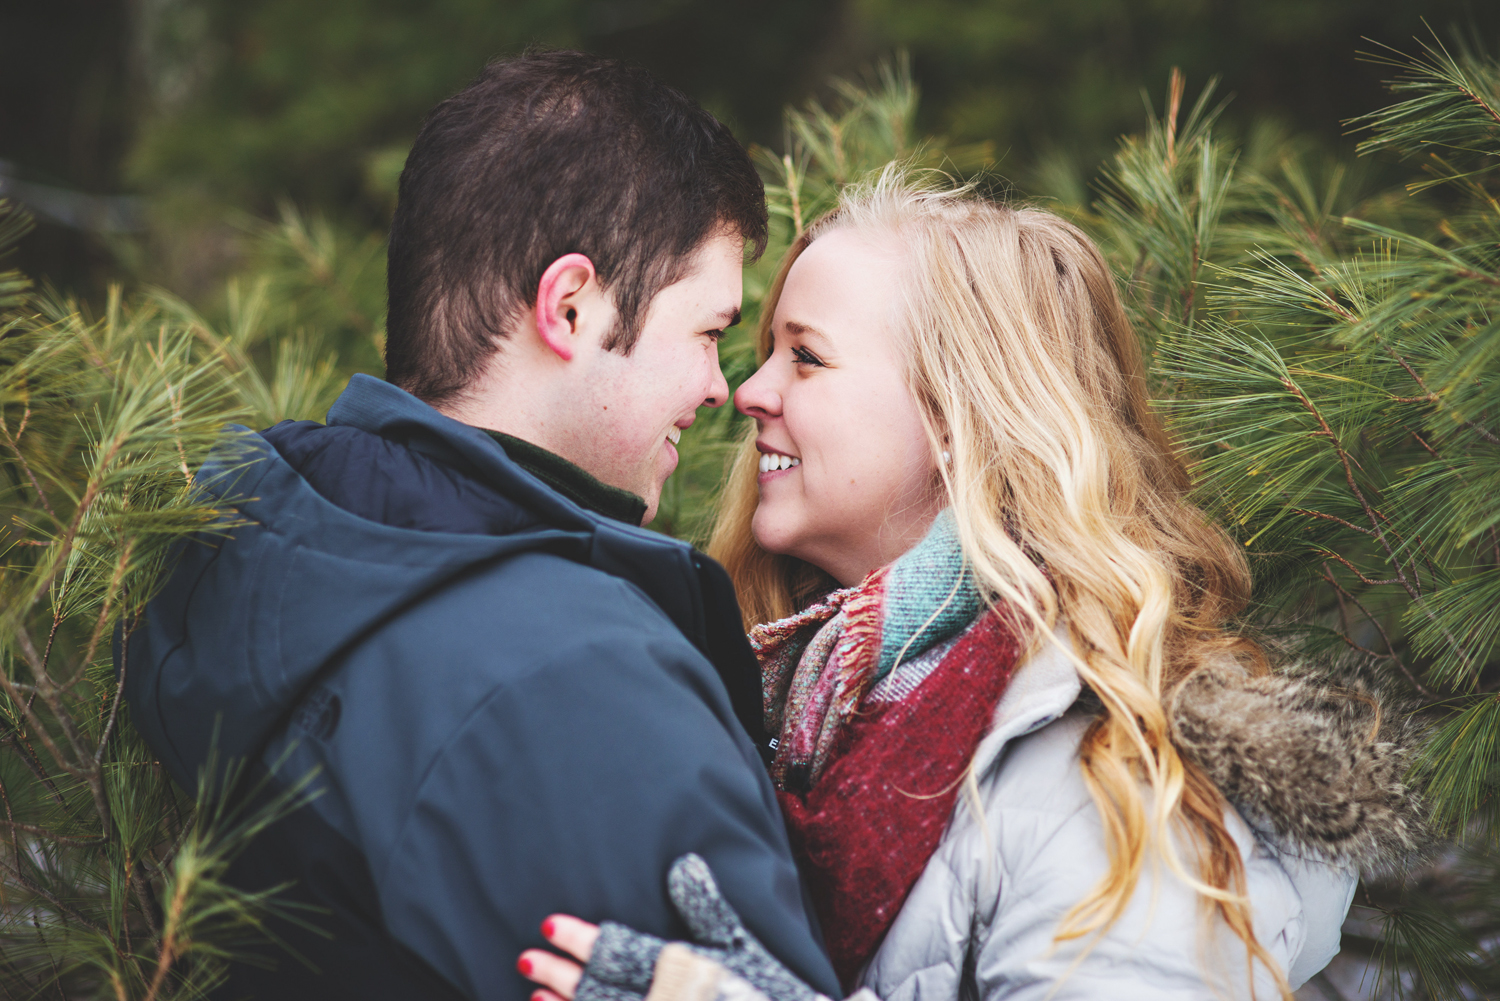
{"points": [[1330, 362], [1326, 351], [111, 878]]}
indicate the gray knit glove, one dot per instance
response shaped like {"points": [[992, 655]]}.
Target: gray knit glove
{"points": [[624, 961], [620, 967], [719, 933]]}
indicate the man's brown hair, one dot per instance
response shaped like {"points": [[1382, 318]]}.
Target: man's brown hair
{"points": [[547, 154]]}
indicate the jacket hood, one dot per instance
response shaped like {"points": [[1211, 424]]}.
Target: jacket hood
{"points": [[291, 580], [1317, 772]]}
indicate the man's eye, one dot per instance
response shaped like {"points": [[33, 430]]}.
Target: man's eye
{"points": [[805, 357]]}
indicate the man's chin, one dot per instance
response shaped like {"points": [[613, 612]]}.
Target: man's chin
{"points": [[652, 497], [666, 466]]}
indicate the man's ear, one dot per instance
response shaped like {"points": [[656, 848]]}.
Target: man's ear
{"points": [[557, 297]]}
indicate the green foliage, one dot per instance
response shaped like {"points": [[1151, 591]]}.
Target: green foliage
{"points": [[321, 277], [112, 878], [1039, 76], [1325, 349], [13, 225], [1425, 943], [1454, 106], [1329, 361], [257, 99], [278, 96], [1166, 193]]}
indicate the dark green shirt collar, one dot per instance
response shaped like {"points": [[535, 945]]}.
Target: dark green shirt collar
{"points": [[572, 481]]}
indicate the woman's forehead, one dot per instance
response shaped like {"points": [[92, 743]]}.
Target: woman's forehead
{"points": [[841, 280]]}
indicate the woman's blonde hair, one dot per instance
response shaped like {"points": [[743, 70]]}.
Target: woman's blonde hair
{"points": [[1069, 501]]}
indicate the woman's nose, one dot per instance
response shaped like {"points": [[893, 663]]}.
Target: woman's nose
{"points": [[757, 396]]}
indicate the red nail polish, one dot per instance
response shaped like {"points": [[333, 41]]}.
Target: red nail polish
{"points": [[548, 927], [524, 965]]}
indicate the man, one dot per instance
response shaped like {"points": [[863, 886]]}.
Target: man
{"points": [[515, 699]]}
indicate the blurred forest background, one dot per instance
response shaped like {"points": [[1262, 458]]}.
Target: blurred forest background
{"points": [[1310, 248], [143, 133], [213, 148]]}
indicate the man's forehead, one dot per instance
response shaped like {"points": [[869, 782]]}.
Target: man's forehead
{"points": [[714, 278]]}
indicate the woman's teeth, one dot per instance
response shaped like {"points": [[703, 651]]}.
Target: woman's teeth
{"points": [[771, 463], [674, 435]]}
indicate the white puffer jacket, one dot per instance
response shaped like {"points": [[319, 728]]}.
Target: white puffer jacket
{"points": [[979, 923]]}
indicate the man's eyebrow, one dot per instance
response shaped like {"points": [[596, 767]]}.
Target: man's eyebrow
{"points": [[730, 315]]}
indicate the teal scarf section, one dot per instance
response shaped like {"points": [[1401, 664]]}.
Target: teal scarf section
{"points": [[930, 596], [818, 664]]}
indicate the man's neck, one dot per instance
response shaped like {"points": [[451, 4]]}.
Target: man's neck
{"points": [[572, 481], [512, 399]]}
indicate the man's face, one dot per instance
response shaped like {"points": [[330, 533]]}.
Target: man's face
{"points": [[637, 405]]}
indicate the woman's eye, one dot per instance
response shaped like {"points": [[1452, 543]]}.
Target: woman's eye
{"points": [[805, 357]]}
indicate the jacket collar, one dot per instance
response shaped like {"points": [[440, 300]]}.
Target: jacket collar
{"points": [[376, 406], [1043, 688], [571, 480], [689, 588], [664, 568]]}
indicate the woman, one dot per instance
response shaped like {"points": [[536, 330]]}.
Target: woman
{"points": [[1020, 755]]}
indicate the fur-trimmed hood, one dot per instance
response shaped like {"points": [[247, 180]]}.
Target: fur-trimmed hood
{"points": [[1315, 796], [1317, 771], [1314, 769]]}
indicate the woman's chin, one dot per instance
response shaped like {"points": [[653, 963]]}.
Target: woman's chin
{"points": [[771, 533]]}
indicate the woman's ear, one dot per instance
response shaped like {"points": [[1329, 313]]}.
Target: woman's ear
{"points": [[944, 455], [563, 284]]}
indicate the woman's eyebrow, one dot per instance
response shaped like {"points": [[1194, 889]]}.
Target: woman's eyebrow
{"points": [[803, 330]]}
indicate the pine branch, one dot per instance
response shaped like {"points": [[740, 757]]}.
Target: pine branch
{"points": [[1390, 647], [1455, 104], [13, 443], [1430, 397]]}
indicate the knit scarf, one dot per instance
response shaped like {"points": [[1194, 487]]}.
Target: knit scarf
{"points": [[880, 694]]}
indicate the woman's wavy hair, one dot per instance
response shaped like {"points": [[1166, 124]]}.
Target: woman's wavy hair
{"points": [[1027, 371]]}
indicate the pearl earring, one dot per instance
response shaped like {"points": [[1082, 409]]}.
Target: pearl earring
{"points": [[947, 456]]}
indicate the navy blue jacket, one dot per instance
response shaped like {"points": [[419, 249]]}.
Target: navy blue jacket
{"points": [[516, 706]]}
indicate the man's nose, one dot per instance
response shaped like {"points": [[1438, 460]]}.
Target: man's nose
{"points": [[718, 388]]}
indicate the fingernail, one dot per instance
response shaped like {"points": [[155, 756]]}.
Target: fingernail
{"points": [[524, 965], [548, 927]]}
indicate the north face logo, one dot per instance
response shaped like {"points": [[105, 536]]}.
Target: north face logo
{"points": [[318, 716]]}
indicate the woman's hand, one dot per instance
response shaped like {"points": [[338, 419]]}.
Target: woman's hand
{"points": [[618, 962], [559, 976]]}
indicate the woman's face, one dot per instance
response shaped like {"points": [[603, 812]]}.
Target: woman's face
{"points": [[847, 478]]}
